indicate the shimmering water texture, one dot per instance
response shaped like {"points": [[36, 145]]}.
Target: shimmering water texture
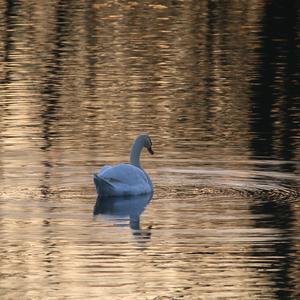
{"points": [[215, 85]]}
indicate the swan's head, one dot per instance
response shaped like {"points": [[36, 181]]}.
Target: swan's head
{"points": [[147, 143]]}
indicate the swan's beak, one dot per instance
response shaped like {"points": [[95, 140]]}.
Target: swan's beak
{"points": [[150, 150]]}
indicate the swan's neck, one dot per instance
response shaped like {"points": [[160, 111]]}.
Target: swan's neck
{"points": [[136, 153]]}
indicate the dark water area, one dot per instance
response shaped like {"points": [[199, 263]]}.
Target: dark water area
{"points": [[216, 86]]}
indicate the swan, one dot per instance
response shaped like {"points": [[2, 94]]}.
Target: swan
{"points": [[127, 178]]}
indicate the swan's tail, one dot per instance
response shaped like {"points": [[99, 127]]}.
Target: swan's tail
{"points": [[103, 186]]}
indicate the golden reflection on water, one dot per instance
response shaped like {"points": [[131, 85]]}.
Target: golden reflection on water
{"points": [[79, 81]]}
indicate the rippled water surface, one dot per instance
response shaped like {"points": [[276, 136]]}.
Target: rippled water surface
{"points": [[215, 84]]}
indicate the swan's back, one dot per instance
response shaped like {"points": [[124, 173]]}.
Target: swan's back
{"points": [[122, 179]]}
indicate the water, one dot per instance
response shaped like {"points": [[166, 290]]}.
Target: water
{"points": [[214, 84]]}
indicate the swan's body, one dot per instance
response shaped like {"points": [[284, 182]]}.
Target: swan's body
{"points": [[127, 178]]}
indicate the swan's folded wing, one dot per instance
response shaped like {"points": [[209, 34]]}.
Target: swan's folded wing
{"points": [[123, 179], [125, 173], [103, 170], [103, 186]]}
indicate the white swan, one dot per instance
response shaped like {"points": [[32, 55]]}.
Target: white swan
{"points": [[126, 179]]}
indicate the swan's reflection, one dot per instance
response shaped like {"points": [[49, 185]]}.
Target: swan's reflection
{"points": [[122, 208]]}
